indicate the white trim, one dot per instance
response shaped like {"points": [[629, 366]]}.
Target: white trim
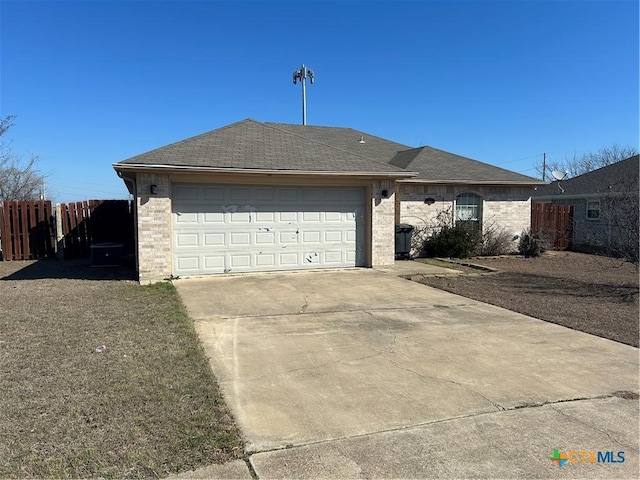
{"points": [[136, 167], [593, 219], [474, 182]]}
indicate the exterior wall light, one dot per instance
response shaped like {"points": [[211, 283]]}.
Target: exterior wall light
{"points": [[430, 200], [153, 189]]}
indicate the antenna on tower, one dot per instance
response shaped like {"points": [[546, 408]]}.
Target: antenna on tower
{"points": [[302, 75]]}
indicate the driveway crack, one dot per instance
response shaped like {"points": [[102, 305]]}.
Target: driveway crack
{"points": [[390, 348], [422, 376], [576, 419]]}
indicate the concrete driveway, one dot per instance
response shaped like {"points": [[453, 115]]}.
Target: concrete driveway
{"points": [[360, 373]]}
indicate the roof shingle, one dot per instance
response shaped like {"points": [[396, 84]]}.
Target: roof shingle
{"points": [[252, 145], [603, 180]]}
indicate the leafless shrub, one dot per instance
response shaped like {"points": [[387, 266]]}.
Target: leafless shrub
{"points": [[496, 240]]}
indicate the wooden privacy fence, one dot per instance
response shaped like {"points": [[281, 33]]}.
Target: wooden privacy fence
{"points": [[554, 222], [27, 230], [32, 230], [82, 224]]}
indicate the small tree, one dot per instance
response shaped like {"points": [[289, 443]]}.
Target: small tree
{"points": [[621, 212], [580, 164], [19, 179]]}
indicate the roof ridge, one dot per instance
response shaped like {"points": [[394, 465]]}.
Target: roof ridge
{"points": [[358, 132], [364, 157]]}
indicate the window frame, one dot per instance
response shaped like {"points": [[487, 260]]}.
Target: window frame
{"points": [[598, 210], [475, 220]]}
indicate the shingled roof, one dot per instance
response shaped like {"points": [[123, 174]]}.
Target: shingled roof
{"points": [[435, 165], [608, 179], [252, 145], [429, 163]]}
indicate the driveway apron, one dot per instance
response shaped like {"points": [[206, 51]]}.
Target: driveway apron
{"points": [[358, 372]]}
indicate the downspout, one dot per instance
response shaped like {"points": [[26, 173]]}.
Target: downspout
{"points": [[130, 182]]}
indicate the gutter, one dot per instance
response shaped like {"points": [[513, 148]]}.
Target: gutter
{"points": [[475, 182], [133, 167], [130, 182], [576, 196]]}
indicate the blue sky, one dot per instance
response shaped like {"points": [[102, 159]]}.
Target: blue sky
{"points": [[96, 82]]}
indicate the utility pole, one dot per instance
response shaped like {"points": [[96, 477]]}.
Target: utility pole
{"points": [[302, 75], [544, 167]]}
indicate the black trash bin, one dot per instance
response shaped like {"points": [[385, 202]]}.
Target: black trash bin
{"points": [[404, 232]]}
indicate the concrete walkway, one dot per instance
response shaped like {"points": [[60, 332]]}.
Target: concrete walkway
{"points": [[360, 373]]}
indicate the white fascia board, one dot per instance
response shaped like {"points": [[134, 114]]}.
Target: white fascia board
{"points": [[476, 182], [129, 167]]}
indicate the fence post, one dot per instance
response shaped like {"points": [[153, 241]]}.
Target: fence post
{"points": [[59, 234]]}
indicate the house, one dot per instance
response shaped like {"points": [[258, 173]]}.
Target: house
{"points": [[605, 206], [256, 196]]}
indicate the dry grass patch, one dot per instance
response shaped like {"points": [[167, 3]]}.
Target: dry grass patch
{"points": [[146, 407], [593, 294]]}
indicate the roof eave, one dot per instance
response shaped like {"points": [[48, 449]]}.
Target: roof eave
{"points": [[532, 183], [136, 167]]}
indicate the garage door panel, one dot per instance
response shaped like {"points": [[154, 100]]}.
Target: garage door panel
{"points": [[188, 263], [334, 257], [288, 238], [240, 239], [218, 228], [213, 239], [333, 217], [265, 238], [188, 240], [287, 195], [287, 216], [213, 217], [240, 260], [186, 192], [269, 217], [266, 260], [289, 259], [213, 194], [214, 263], [265, 194], [240, 194], [333, 236], [186, 218], [310, 217], [311, 236]]}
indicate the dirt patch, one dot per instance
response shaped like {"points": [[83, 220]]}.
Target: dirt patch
{"points": [[593, 294], [145, 407]]}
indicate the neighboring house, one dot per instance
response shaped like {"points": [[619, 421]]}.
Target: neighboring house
{"points": [[256, 196], [605, 206]]}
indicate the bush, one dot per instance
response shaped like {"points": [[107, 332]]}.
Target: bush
{"points": [[496, 241], [531, 244], [460, 241]]}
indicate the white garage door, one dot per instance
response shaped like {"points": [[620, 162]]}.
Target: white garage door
{"points": [[241, 228]]}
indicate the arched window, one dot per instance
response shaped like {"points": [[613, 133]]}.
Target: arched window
{"points": [[469, 210]]}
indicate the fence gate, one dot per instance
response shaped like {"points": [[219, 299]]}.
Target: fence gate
{"points": [[94, 221], [554, 222], [27, 230]]}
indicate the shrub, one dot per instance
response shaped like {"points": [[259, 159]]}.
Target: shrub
{"points": [[460, 241], [531, 244], [496, 241]]}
